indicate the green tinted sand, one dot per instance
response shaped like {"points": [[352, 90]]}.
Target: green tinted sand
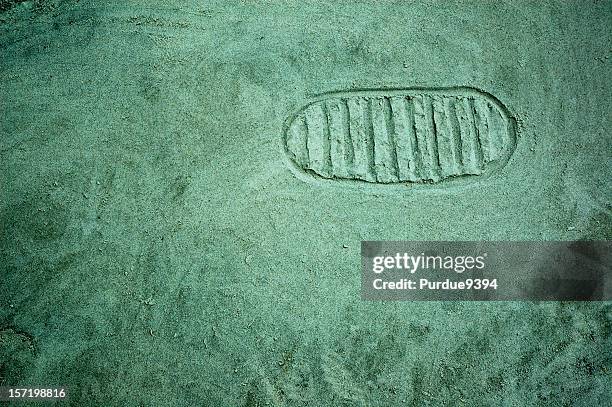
{"points": [[156, 248]]}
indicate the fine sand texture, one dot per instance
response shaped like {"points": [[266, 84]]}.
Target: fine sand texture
{"points": [[184, 187]]}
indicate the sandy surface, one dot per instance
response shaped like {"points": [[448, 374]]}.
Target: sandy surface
{"points": [[156, 249]]}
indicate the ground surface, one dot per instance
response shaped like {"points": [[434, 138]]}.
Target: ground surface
{"points": [[155, 249]]}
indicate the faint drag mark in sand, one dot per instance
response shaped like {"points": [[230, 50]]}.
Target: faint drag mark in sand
{"points": [[17, 354], [586, 200]]}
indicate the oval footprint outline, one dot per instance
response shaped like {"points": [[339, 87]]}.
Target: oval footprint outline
{"points": [[413, 136]]}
